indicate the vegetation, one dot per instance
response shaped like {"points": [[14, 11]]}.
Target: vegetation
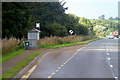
{"points": [[11, 45], [12, 72], [102, 17], [47, 42], [107, 26], [20, 17], [11, 55], [73, 43]]}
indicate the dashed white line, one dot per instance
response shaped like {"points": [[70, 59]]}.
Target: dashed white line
{"points": [[107, 49], [109, 59], [111, 66], [116, 77]]}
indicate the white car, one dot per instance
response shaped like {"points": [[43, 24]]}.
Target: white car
{"points": [[111, 37]]}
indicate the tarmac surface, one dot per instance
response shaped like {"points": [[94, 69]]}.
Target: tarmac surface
{"points": [[98, 59]]}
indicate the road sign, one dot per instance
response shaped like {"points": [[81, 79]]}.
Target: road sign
{"points": [[71, 32], [37, 25]]}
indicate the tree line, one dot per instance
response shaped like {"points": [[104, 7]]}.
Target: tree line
{"points": [[19, 17], [102, 17]]}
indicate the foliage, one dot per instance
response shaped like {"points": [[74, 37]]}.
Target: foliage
{"points": [[87, 23], [19, 17], [107, 26], [54, 40], [100, 30], [102, 17], [11, 55], [12, 44], [55, 29]]}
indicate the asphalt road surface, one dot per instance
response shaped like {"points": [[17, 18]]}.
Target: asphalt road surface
{"points": [[98, 59]]}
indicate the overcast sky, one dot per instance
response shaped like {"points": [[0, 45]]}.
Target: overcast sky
{"points": [[92, 8]]}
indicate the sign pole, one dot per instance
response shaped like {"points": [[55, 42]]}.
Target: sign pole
{"points": [[38, 26]]}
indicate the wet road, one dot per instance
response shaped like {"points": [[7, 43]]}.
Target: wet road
{"points": [[98, 60]]}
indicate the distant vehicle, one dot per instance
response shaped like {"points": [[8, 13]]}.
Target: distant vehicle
{"points": [[111, 37], [115, 34]]}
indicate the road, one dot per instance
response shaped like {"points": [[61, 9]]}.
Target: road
{"points": [[98, 59]]}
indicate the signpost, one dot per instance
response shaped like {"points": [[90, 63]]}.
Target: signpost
{"points": [[38, 25]]}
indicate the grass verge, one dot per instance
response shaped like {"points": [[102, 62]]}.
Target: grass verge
{"points": [[73, 44], [12, 72], [11, 55]]}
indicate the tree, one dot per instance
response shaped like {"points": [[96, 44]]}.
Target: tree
{"points": [[19, 17], [14, 19], [102, 17], [87, 23], [55, 29], [110, 18], [99, 30]]}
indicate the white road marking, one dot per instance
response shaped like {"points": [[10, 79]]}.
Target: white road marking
{"points": [[107, 49], [116, 77], [108, 58], [107, 53], [111, 66]]}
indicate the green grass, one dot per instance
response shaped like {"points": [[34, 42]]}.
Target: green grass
{"points": [[73, 44], [11, 55], [12, 72], [116, 21]]}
